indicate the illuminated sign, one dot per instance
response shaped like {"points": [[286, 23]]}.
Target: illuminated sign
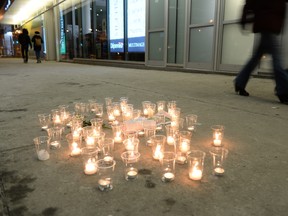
{"points": [[116, 12], [136, 26]]}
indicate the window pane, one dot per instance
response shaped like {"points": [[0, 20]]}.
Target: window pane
{"points": [[202, 11], [201, 45], [156, 16], [237, 47], [233, 9], [156, 44]]}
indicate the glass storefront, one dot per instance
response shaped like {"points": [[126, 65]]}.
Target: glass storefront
{"points": [[188, 34], [98, 29]]}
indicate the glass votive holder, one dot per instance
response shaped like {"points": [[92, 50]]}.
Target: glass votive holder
{"points": [[161, 105], [96, 124], [127, 113], [117, 133], [148, 133], [92, 104], [98, 111], [74, 145], [171, 134], [116, 109], [191, 121], [105, 172], [64, 114], [123, 103], [218, 135], [219, 156], [131, 144], [107, 148], [108, 101], [145, 107], [158, 145], [130, 135], [55, 134], [56, 116], [110, 114], [130, 159], [42, 146], [183, 146], [136, 113], [171, 105], [89, 157], [160, 121], [196, 164], [168, 166], [44, 120]]}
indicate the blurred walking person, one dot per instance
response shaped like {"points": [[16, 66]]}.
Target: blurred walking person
{"points": [[267, 17], [24, 40], [37, 41]]}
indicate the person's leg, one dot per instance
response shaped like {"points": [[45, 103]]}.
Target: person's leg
{"points": [[23, 53], [280, 75], [38, 56], [242, 78], [26, 54]]}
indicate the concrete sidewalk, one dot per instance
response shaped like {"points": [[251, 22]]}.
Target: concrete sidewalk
{"points": [[256, 181]]}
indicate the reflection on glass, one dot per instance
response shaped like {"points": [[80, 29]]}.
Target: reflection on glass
{"points": [[202, 11]]}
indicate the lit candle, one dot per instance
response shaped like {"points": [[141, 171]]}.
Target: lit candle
{"points": [[191, 128], [181, 159], [219, 171], [184, 146], [57, 119], [170, 140], [76, 135], [104, 183], [217, 139], [117, 139], [43, 154], [169, 176], [90, 167], [90, 141], [132, 174], [108, 159], [141, 133], [195, 174], [116, 112], [129, 146], [75, 149], [157, 154], [111, 117], [149, 142], [145, 112], [55, 144]]}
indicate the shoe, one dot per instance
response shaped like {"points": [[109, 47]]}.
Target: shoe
{"points": [[283, 99], [241, 91]]}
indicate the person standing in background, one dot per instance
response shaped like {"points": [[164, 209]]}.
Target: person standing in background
{"points": [[25, 42], [267, 17], [37, 41]]}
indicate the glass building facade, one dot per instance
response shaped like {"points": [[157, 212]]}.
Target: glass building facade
{"points": [[187, 34]]}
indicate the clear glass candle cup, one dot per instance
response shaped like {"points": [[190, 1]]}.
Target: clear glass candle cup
{"points": [[130, 159], [168, 166], [191, 122], [55, 134], [158, 144], [195, 164], [105, 173], [218, 135], [42, 146], [44, 120], [89, 157], [74, 144], [219, 155]]}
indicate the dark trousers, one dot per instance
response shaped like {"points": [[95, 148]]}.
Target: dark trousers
{"points": [[24, 52], [269, 43]]}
